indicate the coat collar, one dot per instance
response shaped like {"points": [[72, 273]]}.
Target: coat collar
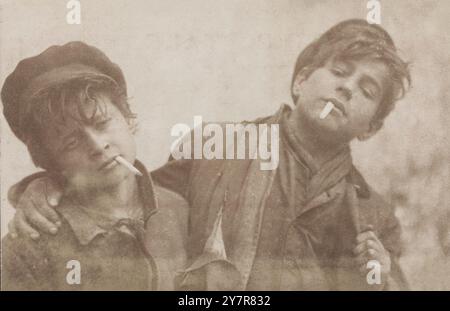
{"points": [[360, 184], [342, 159]]}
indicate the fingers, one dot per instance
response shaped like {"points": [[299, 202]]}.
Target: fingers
{"points": [[34, 201], [366, 256], [22, 227], [49, 213], [53, 192], [382, 258], [366, 227], [360, 248], [367, 235], [35, 218], [367, 245], [12, 229], [368, 248]]}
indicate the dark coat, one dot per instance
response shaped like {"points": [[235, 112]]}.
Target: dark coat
{"points": [[128, 256], [237, 190]]}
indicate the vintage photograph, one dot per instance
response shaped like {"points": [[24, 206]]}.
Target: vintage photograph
{"points": [[291, 145]]}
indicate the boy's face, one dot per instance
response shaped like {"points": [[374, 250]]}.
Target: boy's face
{"points": [[84, 152], [356, 88]]}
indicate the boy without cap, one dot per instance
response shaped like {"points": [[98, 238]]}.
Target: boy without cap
{"points": [[313, 223]]}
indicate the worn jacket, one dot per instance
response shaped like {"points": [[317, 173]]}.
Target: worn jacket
{"points": [[107, 254], [230, 197]]}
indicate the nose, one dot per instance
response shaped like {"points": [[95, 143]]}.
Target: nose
{"points": [[345, 88], [97, 144], [345, 92]]}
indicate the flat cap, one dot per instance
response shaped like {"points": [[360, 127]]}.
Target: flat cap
{"points": [[60, 61]]}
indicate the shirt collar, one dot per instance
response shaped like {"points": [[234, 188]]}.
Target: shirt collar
{"points": [[290, 139], [340, 166], [86, 228]]}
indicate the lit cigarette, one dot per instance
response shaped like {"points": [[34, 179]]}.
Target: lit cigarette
{"points": [[128, 165], [326, 110]]}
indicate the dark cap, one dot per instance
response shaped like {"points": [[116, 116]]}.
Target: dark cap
{"points": [[56, 64]]}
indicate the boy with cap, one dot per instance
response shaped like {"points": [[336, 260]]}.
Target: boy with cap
{"points": [[118, 231], [313, 223]]}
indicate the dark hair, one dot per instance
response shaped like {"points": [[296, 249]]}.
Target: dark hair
{"points": [[54, 106], [357, 39]]}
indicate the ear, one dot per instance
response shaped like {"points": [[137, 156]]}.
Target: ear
{"points": [[132, 125], [374, 127], [299, 78]]}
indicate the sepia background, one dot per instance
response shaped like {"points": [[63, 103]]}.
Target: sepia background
{"points": [[233, 60]]}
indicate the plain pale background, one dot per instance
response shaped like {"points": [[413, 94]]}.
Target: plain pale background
{"points": [[233, 60]]}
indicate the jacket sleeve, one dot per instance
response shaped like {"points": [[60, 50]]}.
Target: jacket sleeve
{"points": [[24, 267], [174, 175], [390, 236], [16, 190]]}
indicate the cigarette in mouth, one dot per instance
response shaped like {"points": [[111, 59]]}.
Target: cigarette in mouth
{"points": [[326, 110], [128, 165]]}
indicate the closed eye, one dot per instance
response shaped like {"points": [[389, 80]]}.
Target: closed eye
{"points": [[368, 93], [71, 144], [102, 123], [338, 72], [370, 88]]}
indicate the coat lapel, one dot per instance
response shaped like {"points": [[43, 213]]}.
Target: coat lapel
{"points": [[248, 220]]}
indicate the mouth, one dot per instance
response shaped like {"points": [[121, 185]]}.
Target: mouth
{"points": [[108, 164], [338, 105]]}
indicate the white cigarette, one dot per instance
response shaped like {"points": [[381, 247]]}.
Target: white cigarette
{"points": [[326, 110], [128, 165]]}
